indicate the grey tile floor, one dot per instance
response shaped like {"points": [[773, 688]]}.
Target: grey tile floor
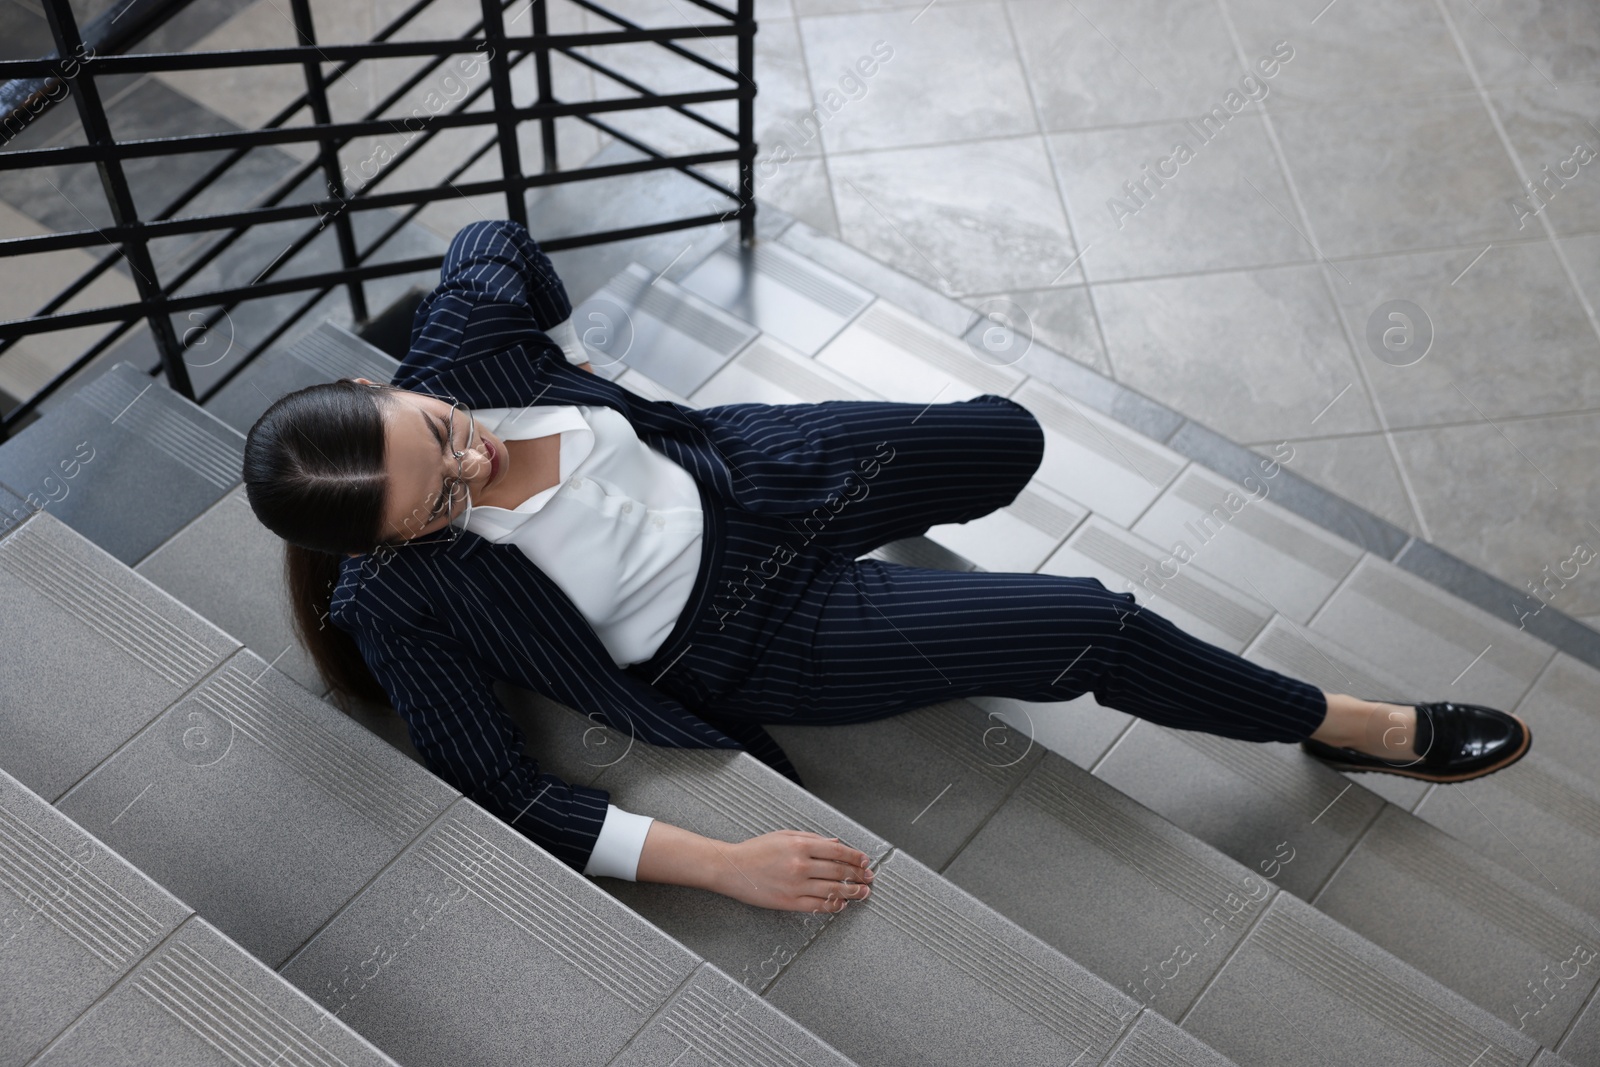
{"points": [[1240, 291], [1383, 159]]}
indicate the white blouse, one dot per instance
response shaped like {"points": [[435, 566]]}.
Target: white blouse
{"points": [[620, 533]]}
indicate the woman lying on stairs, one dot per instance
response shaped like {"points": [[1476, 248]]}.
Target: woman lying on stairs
{"points": [[499, 511]]}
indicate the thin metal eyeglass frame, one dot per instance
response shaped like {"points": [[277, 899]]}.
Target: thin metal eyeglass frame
{"points": [[450, 530]]}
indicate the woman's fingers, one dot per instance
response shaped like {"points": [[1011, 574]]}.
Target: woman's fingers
{"points": [[839, 870], [833, 896], [831, 848], [826, 903]]}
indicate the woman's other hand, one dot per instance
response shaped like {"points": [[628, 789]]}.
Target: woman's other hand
{"points": [[792, 870], [787, 870]]}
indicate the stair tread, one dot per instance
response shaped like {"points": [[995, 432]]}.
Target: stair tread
{"points": [[125, 461], [101, 959], [321, 355], [228, 568], [64, 603], [652, 325], [181, 795], [248, 740]]}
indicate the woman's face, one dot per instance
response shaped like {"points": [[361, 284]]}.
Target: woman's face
{"points": [[418, 460]]}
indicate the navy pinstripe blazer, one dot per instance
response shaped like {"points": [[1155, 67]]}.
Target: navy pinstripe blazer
{"points": [[438, 623]]}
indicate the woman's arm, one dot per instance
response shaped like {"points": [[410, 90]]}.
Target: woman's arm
{"points": [[457, 724], [787, 870], [496, 289]]}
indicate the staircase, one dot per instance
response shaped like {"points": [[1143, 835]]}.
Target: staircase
{"points": [[1055, 884]]}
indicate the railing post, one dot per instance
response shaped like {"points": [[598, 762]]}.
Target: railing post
{"points": [[328, 154], [494, 33], [92, 114], [541, 59], [747, 121]]}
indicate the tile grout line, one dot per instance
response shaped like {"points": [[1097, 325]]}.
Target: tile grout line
{"points": [[1244, 938], [788, 966], [150, 724], [1577, 1017], [1350, 850], [1005, 798], [170, 937], [405, 849], [1061, 198], [1538, 680], [822, 140], [1352, 349], [1516, 161]]}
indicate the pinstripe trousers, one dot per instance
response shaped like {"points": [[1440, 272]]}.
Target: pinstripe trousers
{"points": [[786, 625]]}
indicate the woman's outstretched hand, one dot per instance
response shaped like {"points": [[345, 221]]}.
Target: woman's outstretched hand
{"points": [[793, 870], [787, 870]]}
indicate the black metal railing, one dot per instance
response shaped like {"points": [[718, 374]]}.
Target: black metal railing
{"points": [[35, 84]]}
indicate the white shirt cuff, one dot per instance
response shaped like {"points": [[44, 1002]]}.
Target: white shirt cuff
{"points": [[566, 336], [616, 850]]}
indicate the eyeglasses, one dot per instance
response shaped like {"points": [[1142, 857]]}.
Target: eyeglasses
{"points": [[461, 431]]}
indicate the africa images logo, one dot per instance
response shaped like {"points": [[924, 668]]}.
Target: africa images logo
{"points": [[1141, 191], [809, 128]]}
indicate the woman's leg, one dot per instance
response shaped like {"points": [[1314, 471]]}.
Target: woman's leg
{"points": [[869, 639]]}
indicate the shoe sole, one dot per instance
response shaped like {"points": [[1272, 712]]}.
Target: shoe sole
{"points": [[1527, 740]]}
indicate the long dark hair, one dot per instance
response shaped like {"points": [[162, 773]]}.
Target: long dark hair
{"points": [[314, 475]]}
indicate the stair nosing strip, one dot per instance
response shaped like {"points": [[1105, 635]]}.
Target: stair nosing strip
{"points": [[521, 878], [1276, 935], [1049, 789], [378, 790], [115, 942], [229, 1000], [981, 965], [808, 281], [110, 611]]}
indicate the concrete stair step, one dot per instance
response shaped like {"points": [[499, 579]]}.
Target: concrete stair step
{"points": [[1354, 1003], [228, 568], [1052, 854], [898, 357], [1253, 577], [66, 604], [1290, 563], [195, 781], [103, 965], [1539, 818], [779, 292], [1197, 602], [897, 979], [1444, 908], [324, 354], [476, 946], [641, 321], [1411, 628], [313, 847], [125, 461]]}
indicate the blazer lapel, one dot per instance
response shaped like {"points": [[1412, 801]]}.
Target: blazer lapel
{"points": [[522, 375]]}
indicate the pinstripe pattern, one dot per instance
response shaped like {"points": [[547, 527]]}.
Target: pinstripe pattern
{"points": [[809, 635], [798, 630]]}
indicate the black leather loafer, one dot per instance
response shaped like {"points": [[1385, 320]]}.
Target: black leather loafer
{"points": [[1457, 742]]}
